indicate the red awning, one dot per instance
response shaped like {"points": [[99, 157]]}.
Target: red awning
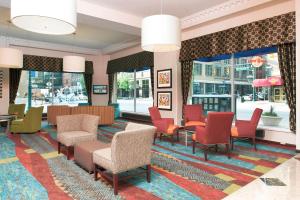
{"points": [[271, 81]]}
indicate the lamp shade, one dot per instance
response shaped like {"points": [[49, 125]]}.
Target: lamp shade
{"points": [[73, 64], [161, 33], [11, 58], [55, 17]]}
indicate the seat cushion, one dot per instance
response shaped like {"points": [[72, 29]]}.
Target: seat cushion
{"points": [[103, 158], [194, 123], [72, 137], [17, 122], [171, 129], [234, 132]]}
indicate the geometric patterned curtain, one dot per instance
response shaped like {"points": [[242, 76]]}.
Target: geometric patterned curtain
{"points": [[186, 78], [111, 79], [287, 66], [139, 61], [49, 64], [264, 33], [14, 80]]}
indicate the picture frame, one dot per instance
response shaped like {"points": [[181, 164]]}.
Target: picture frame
{"points": [[100, 89], [164, 78], [164, 100]]}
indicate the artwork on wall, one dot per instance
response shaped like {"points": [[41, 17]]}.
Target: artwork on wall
{"points": [[164, 100], [164, 78], [1, 83], [99, 89]]}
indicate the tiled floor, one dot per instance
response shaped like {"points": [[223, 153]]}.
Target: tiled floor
{"points": [[288, 173]]}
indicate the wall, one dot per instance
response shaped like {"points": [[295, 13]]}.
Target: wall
{"points": [[167, 61], [297, 5], [99, 61]]}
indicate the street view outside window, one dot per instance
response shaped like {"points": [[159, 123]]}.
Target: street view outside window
{"points": [[134, 91], [257, 84], [51, 88]]}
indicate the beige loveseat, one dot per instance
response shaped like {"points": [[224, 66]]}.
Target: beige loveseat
{"points": [[72, 129], [105, 113], [129, 149]]}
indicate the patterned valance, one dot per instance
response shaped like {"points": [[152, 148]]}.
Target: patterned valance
{"points": [[49, 64], [132, 62], [264, 33]]}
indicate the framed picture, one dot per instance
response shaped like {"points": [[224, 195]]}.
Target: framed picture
{"points": [[99, 89], [164, 78], [164, 100]]}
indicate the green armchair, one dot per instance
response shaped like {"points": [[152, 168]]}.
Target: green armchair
{"points": [[17, 109], [31, 122]]}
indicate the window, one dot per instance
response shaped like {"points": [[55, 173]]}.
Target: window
{"points": [[197, 70], [51, 88], [134, 98], [257, 84], [208, 70]]}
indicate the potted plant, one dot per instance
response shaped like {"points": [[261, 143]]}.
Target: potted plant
{"points": [[271, 118]]}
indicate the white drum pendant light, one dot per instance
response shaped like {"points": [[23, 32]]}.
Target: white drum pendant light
{"points": [[54, 17], [11, 58], [73, 64], [161, 33]]}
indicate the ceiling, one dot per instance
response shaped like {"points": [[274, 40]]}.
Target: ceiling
{"points": [[179, 8], [103, 34]]}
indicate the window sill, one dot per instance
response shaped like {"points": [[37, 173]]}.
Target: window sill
{"points": [[272, 128]]}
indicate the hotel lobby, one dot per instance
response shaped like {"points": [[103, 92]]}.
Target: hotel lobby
{"points": [[136, 99]]}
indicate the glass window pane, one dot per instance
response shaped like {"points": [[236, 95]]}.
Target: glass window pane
{"points": [[125, 91], [144, 98], [262, 90]]}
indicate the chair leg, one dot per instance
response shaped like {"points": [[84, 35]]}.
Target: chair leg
{"points": [[228, 150], [68, 153], [194, 146], [254, 143], [160, 136], [177, 135], [216, 148], [172, 139], [95, 172], [115, 183], [232, 141], [205, 153], [148, 173], [58, 147], [155, 136]]}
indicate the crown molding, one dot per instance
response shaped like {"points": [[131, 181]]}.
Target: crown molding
{"points": [[221, 10]]}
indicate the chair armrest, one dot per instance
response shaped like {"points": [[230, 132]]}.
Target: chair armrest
{"points": [[162, 125], [168, 120], [201, 134], [242, 123]]}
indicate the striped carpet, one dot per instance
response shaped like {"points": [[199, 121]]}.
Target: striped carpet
{"points": [[30, 168]]}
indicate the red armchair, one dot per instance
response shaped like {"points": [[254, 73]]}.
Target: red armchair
{"points": [[193, 116], [216, 131], [245, 128], [165, 126]]}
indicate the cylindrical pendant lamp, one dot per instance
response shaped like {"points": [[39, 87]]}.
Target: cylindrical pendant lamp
{"points": [[11, 58], [73, 64], [54, 17], [161, 33]]}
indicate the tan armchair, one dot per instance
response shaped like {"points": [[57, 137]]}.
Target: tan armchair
{"points": [[129, 149], [72, 129]]}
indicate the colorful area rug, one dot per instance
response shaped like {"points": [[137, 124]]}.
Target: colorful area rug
{"points": [[30, 168]]}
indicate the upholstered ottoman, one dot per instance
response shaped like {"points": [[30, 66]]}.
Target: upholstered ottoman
{"points": [[83, 153]]}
